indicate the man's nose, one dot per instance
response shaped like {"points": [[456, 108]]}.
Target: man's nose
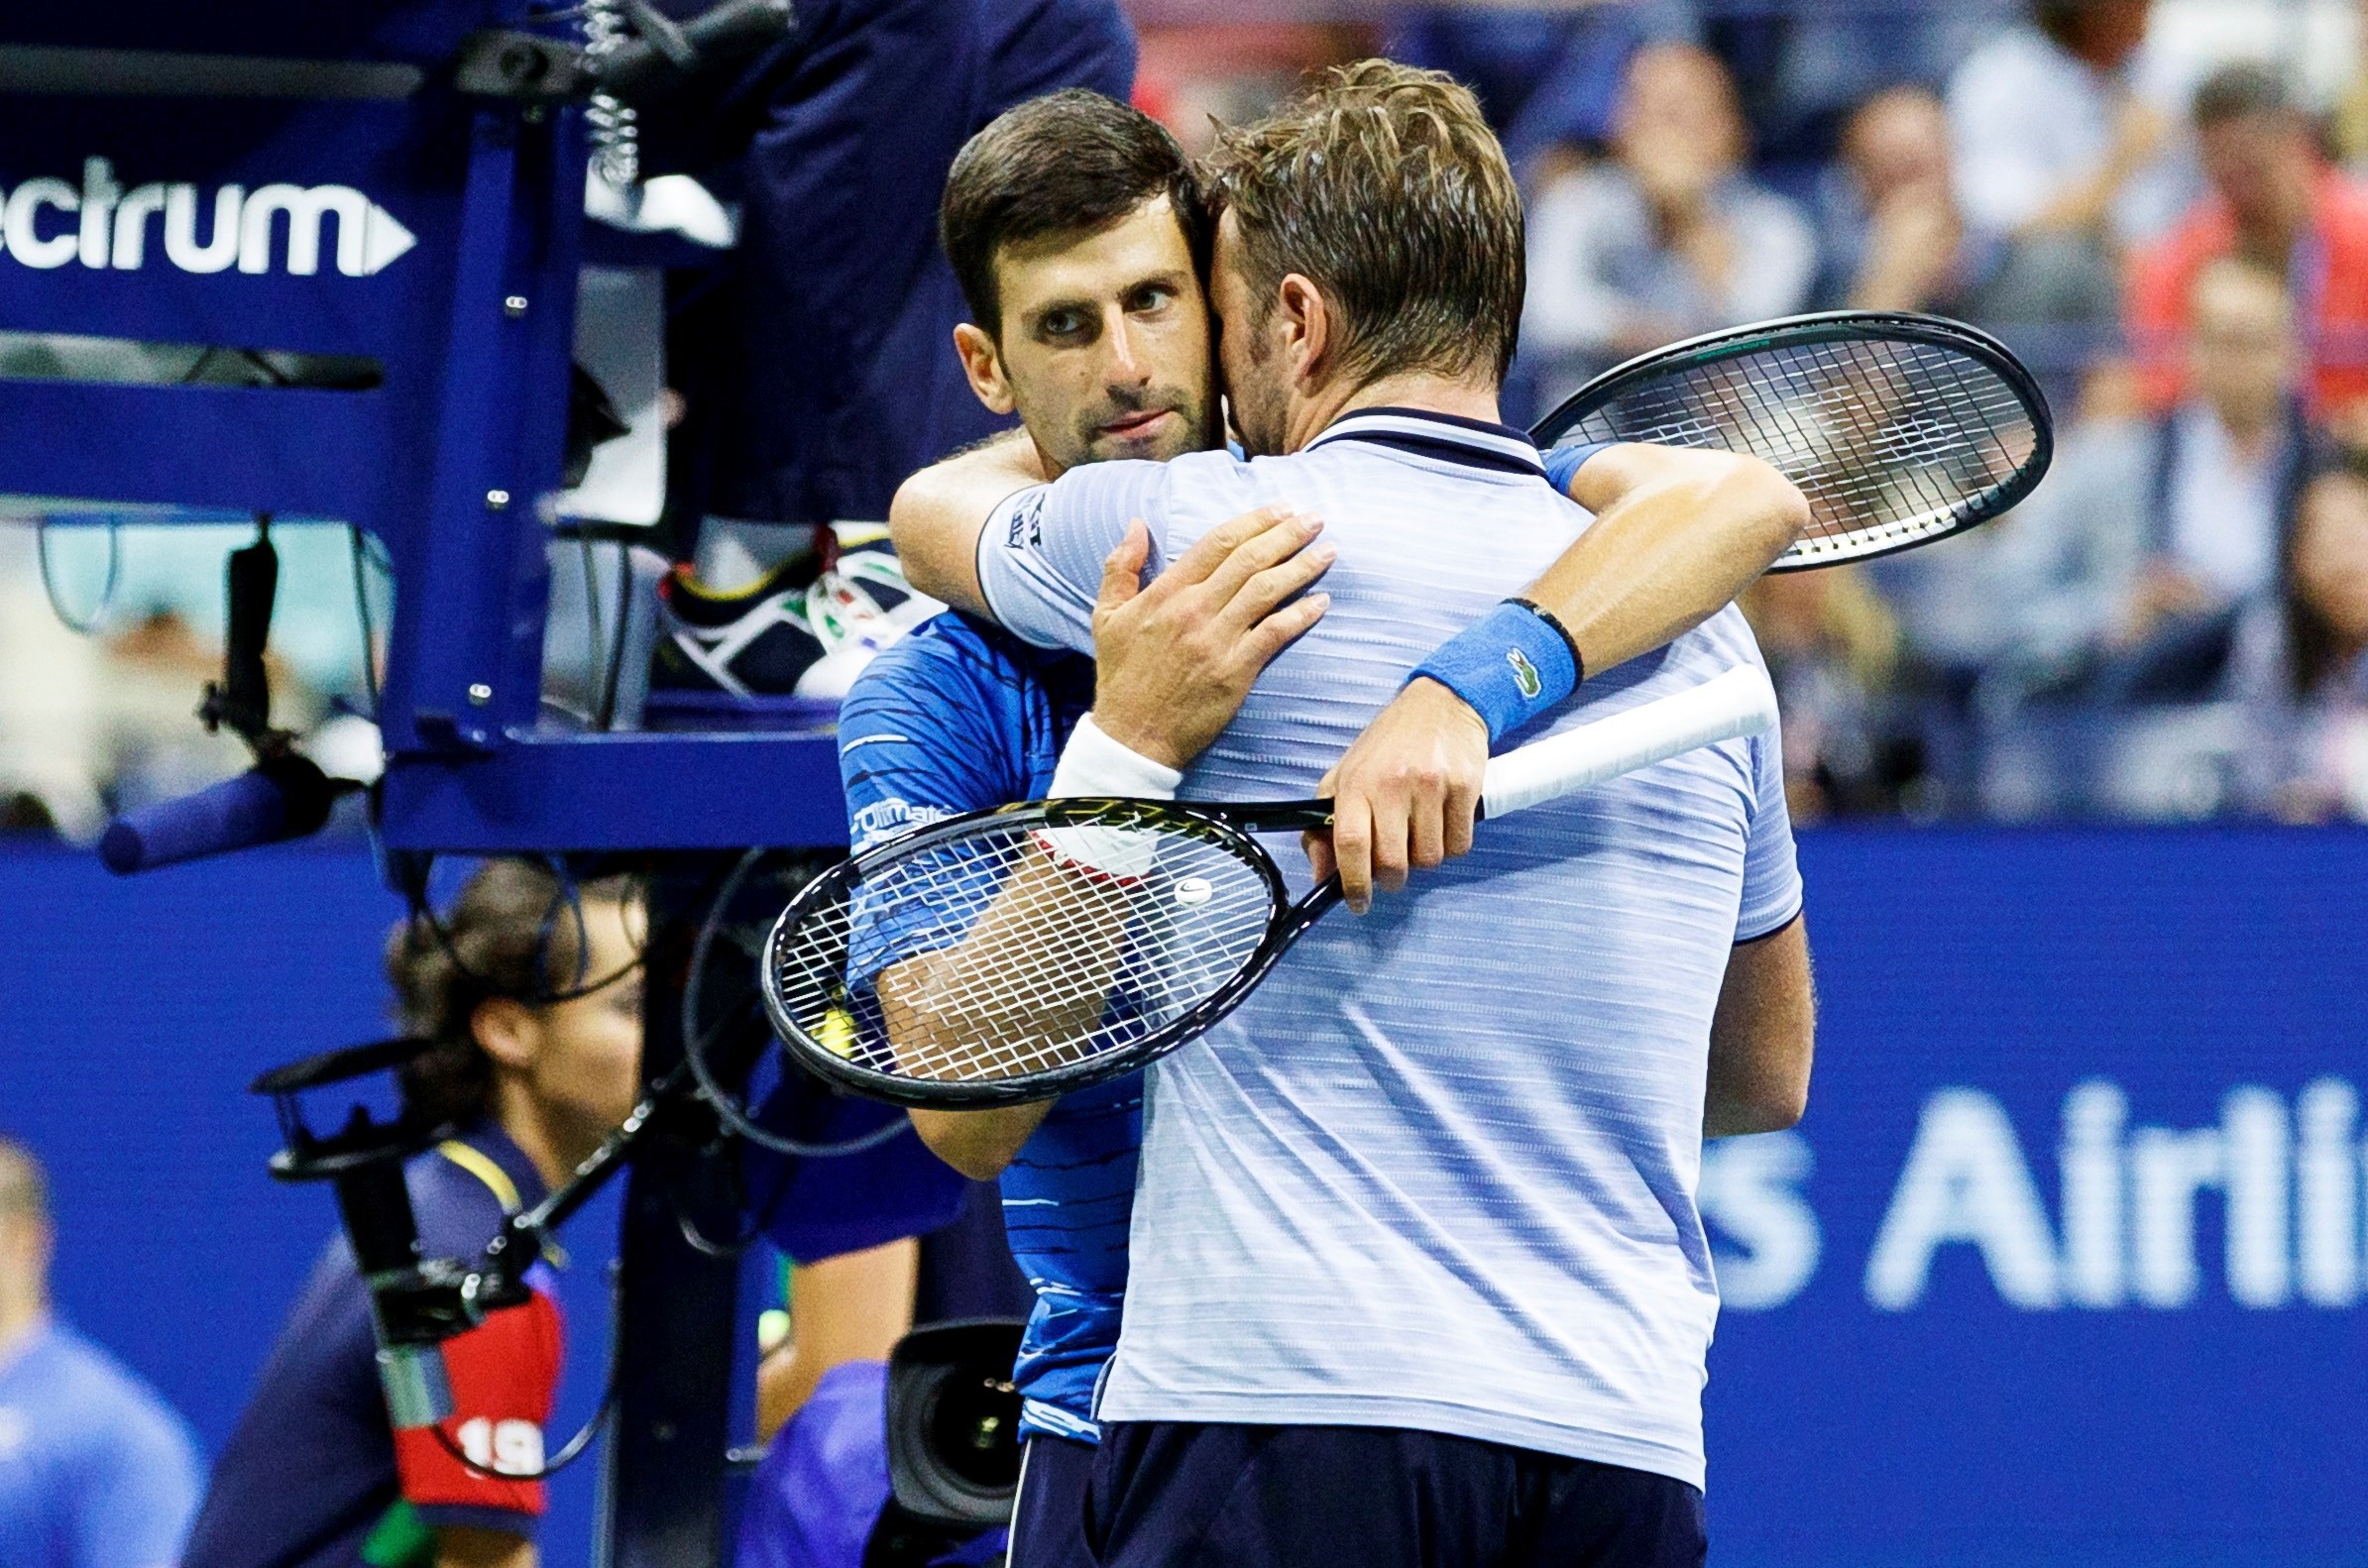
{"points": [[1125, 365]]}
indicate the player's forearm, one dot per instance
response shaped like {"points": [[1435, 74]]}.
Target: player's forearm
{"points": [[1073, 886], [979, 1144], [1676, 537], [935, 517]]}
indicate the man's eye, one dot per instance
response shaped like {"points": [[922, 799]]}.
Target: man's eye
{"points": [[1063, 324], [1151, 298]]}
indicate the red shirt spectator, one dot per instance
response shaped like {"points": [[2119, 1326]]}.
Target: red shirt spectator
{"points": [[2275, 201]]}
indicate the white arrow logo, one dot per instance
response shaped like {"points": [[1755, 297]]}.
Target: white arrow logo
{"points": [[383, 239], [47, 223]]}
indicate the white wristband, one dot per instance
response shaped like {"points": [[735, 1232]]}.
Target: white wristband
{"points": [[1094, 764]]}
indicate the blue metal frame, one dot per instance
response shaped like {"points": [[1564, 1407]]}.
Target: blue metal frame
{"points": [[445, 462]]}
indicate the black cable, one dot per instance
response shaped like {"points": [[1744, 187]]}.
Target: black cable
{"points": [[272, 372], [89, 626], [370, 652], [414, 892], [694, 1043], [569, 1451], [606, 708], [592, 625]]}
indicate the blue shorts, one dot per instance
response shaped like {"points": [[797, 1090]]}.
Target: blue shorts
{"points": [[1186, 1495], [1047, 1518]]}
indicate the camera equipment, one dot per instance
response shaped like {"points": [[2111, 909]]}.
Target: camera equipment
{"points": [[954, 1422], [284, 794], [659, 54], [954, 1440], [415, 1304]]}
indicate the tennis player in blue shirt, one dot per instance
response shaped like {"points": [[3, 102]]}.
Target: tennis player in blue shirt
{"points": [[1074, 228], [1416, 1274]]}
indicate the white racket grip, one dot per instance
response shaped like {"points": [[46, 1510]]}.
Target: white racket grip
{"points": [[1724, 707]]}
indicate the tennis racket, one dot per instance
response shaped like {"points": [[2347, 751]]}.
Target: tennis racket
{"points": [[1900, 429], [1032, 949]]}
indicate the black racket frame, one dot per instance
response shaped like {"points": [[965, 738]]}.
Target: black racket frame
{"points": [[1231, 826], [1834, 326]]}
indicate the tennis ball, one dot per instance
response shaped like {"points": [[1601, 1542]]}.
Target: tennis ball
{"points": [[837, 1032]]}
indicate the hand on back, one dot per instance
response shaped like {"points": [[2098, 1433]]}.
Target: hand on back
{"points": [[1175, 658]]}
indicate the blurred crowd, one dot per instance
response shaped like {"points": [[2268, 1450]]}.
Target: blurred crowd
{"points": [[111, 629], [2161, 204]]}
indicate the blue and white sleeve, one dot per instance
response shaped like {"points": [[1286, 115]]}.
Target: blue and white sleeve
{"points": [[1039, 556], [913, 751], [920, 738], [1771, 870]]}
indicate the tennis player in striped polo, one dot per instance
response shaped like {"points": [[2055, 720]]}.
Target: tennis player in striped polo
{"points": [[1417, 1274]]}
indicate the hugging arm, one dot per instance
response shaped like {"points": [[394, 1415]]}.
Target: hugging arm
{"points": [[938, 514], [1173, 660], [1677, 534]]}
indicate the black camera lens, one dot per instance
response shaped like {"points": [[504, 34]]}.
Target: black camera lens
{"points": [[972, 1427]]}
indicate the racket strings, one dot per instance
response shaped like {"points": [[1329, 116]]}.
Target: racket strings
{"points": [[997, 954], [1889, 440]]}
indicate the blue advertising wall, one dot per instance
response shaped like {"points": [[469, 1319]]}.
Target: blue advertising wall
{"points": [[2067, 1264]]}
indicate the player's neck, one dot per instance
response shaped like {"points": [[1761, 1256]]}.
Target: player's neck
{"points": [[1466, 398], [23, 1309], [1052, 466]]}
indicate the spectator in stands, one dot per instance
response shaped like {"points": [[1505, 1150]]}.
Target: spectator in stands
{"points": [[2277, 202], [533, 996], [52, 734], [95, 1469], [1667, 239], [2227, 468], [1545, 78], [2347, 128], [2056, 152], [2309, 687], [1895, 236], [1832, 648], [2176, 522], [1804, 69]]}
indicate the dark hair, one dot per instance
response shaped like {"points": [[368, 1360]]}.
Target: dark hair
{"points": [[2239, 91], [2062, 20], [1056, 168], [1384, 187], [516, 930]]}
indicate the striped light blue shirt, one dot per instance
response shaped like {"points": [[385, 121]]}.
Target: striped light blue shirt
{"points": [[1438, 1173]]}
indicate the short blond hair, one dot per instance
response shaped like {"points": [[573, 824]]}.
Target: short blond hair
{"points": [[1384, 187]]}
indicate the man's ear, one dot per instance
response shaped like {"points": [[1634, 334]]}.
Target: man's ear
{"points": [[982, 363], [507, 1030], [1303, 321]]}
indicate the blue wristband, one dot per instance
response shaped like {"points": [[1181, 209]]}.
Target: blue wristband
{"points": [[1511, 665], [1563, 463]]}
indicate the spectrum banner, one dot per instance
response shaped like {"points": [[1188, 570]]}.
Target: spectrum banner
{"points": [[2067, 1264]]}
